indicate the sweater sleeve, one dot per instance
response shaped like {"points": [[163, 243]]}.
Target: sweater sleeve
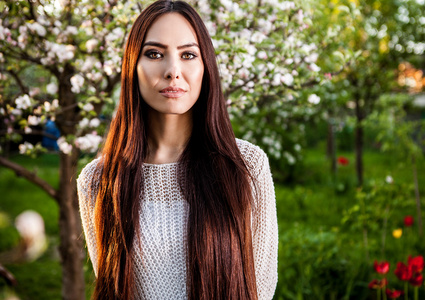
{"points": [[265, 232], [87, 185], [264, 220]]}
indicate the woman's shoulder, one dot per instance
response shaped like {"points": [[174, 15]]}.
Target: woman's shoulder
{"points": [[254, 156], [90, 174]]}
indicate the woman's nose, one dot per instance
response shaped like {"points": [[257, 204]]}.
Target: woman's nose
{"points": [[173, 70]]}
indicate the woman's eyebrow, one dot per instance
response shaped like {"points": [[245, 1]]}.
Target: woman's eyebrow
{"points": [[188, 45], [159, 45]]}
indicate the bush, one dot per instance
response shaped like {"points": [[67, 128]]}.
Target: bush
{"points": [[311, 266]]}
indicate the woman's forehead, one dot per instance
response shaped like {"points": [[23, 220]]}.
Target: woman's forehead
{"points": [[171, 29]]}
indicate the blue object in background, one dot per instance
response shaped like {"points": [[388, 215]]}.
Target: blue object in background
{"points": [[50, 128]]}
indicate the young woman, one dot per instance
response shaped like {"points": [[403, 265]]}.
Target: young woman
{"points": [[175, 207]]}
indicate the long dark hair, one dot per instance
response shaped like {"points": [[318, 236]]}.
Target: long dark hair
{"points": [[213, 178]]}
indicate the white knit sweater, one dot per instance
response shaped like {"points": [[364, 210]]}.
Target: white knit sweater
{"points": [[160, 269]]}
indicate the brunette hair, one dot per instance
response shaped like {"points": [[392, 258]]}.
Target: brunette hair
{"points": [[213, 178]]}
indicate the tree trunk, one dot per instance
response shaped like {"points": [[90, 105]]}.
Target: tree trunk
{"points": [[359, 154], [70, 230], [71, 242], [359, 143]]}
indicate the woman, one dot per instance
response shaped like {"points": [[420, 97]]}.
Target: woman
{"points": [[176, 207]]}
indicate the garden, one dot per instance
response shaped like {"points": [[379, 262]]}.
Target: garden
{"points": [[332, 90]]}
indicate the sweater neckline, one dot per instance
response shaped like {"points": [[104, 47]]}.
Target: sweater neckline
{"points": [[161, 165]]}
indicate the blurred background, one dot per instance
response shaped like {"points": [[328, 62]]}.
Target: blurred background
{"points": [[332, 90]]}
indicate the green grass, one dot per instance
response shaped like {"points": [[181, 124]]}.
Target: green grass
{"points": [[318, 255], [313, 240], [40, 279]]}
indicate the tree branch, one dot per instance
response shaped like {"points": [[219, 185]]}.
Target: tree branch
{"points": [[33, 132], [24, 89], [32, 13], [30, 176], [10, 279]]}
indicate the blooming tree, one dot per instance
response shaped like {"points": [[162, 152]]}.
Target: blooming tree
{"points": [[386, 33], [60, 61], [269, 52]]}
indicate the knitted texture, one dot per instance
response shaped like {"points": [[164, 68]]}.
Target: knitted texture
{"points": [[160, 268]]}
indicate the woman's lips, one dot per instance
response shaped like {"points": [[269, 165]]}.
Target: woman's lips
{"points": [[172, 92]]}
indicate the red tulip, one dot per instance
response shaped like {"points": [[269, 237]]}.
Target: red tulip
{"points": [[416, 263], [403, 272], [408, 221], [394, 294], [416, 280], [378, 284], [343, 161], [382, 267]]}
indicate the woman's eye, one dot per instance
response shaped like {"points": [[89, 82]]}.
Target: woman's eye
{"points": [[188, 56], [153, 55]]}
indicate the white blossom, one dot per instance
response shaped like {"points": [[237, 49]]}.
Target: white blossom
{"points": [[94, 123], [116, 34], [52, 88], [30, 225], [90, 142], [108, 67], [25, 147], [55, 103], [23, 102], [300, 16], [290, 158], [84, 123], [287, 79], [88, 107], [64, 146], [16, 112], [22, 40], [211, 27], [77, 82], [62, 52], [47, 106], [96, 76], [4, 32], [258, 37], [204, 7], [277, 79], [36, 27], [314, 99], [314, 67], [71, 30], [91, 45], [56, 31], [389, 179], [312, 58], [262, 55], [289, 61], [88, 64], [27, 130], [286, 5], [34, 120], [307, 48]]}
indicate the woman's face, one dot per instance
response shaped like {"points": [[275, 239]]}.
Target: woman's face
{"points": [[170, 67]]}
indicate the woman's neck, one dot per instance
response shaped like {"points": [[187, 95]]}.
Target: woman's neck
{"points": [[168, 135]]}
